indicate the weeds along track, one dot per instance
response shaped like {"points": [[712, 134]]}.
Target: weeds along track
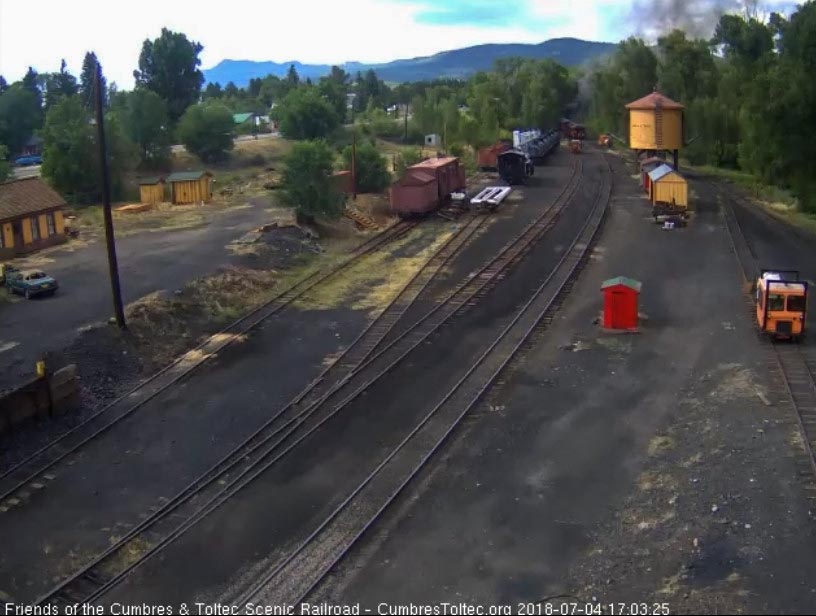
{"points": [[162, 522], [795, 362], [303, 569], [37, 464], [358, 367]]}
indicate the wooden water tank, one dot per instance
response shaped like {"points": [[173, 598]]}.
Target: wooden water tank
{"points": [[655, 123]]}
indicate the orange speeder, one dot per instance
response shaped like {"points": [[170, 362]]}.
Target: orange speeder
{"points": [[781, 303]]}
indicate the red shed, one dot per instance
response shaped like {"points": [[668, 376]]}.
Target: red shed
{"points": [[620, 303], [342, 180]]}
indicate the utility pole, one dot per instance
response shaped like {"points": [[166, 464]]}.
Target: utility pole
{"points": [[405, 115], [110, 241], [353, 163]]}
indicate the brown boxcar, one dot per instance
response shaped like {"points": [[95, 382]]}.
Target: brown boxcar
{"points": [[426, 185], [577, 131], [488, 157], [450, 175], [416, 192]]}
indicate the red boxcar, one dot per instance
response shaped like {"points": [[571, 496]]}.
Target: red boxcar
{"points": [[488, 157], [414, 193], [426, 185]]}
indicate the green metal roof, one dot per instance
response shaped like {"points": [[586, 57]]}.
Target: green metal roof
{"points": [[622, 280], [240, 118], [151, 180], [186, 176]]}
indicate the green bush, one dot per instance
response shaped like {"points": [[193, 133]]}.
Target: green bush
{"points": [[406, 158], [206, 131], [305, 114], [371, 169], [307, 184], [5, 167]]}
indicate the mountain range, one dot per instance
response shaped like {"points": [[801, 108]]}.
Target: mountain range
{"points": [[456, 63]]}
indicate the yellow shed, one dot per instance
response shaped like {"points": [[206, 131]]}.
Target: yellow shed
{"points": [[190, 187], [655, 123], [151, 190], [668, 187]]}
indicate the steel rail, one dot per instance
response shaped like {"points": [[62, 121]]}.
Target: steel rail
{"points": [[225, 337], [251, 473], [798, 376], [86, 578], [567, 266]]}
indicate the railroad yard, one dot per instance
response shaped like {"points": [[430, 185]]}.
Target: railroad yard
{"points": [[439, 417]]}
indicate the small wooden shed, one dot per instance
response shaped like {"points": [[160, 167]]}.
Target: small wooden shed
{"points": [[646, 166], [620, 307], [190, 187], [342, 180], [667, 186], [151, 190]]}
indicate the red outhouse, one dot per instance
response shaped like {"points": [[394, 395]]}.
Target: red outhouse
{"points": [[620, 303]]}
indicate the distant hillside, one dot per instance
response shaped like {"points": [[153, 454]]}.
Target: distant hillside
{"points": [[454, 63]]}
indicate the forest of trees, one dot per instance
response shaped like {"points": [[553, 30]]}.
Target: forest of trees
{"points": [[749, 95]]}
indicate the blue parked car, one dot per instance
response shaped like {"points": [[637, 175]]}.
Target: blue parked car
{"points": [[27, 161], [31, 283]]}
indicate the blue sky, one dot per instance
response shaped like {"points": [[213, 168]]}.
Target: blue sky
{"points": [[314, 31]]}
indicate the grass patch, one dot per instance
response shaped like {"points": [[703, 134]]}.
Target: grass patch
{"points": [[774, 200], [373, 281]]}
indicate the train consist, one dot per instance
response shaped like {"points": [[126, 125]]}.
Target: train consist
{"points": [[427, 186], [515, 166], [571, 130], [535, 144]]}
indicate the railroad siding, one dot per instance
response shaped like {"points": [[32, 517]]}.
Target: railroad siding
{"points": [[547, 466], [334, 459]]}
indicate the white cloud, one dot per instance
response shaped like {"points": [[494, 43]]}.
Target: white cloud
{"points": [[324, 31], [317, 31]]}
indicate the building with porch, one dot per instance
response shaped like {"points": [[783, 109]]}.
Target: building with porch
{"points": [[31, 217]]}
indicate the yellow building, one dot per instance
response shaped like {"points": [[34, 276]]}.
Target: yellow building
{"points": [[31, 217], [667, 187], [656, 124], [151, 190], [190, 187]]}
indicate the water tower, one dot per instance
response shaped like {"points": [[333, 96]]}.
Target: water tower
{"points": [[656, 125]]}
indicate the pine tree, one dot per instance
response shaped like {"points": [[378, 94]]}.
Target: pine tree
{"points": [[31, 82], [86, 80], [292, 75]]}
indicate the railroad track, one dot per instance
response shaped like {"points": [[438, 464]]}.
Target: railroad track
{"points": [[797, 365], [358, 367], [298, 574], [161, 524], [36, 466]]}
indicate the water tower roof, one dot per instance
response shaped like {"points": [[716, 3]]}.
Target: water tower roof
{"points": [[653, 100]]}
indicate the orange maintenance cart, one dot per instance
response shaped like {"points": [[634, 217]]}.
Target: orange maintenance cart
{"points": [[781, 303]]}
